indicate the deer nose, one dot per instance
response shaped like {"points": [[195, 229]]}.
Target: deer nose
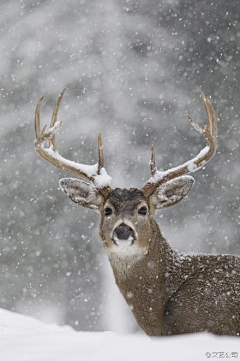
{"points": [[123, 232]]}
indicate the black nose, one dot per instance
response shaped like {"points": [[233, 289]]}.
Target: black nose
{"points": [[123, 232]]}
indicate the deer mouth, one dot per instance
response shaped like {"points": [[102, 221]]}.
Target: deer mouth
{"points": [[123, 236], [123, 242]]}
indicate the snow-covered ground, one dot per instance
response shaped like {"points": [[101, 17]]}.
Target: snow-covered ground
{"points": [[25, 339]]}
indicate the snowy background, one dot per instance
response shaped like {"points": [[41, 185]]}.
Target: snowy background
{"points": [[133, 70]]}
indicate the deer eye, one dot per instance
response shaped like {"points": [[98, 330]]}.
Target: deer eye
{"points": [[107, 211], [142, 210]]}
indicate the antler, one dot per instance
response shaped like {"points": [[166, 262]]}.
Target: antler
{"points": [[209, 132], [94, 173]]}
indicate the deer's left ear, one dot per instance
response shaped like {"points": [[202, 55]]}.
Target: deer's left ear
{"points": [[171, 192], [80, 192]]}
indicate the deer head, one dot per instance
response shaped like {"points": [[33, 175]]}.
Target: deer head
{"points": [[126, 214]]}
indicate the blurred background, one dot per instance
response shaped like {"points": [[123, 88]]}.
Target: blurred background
{"points": [[133, 69]]}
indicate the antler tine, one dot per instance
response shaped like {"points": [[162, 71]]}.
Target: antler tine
{"points": [[52, 140], [209, 132], [212, 124], [153, 161], [90, 172], [37, 118], [100, 154]]}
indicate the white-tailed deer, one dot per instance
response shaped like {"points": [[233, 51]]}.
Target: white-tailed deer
{"points": [[168, 292]]}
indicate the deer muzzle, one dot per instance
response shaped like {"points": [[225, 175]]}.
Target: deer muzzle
{"points": [[123, 235]]}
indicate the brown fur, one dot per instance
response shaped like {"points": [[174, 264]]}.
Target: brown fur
{"points": [[171, 293]]}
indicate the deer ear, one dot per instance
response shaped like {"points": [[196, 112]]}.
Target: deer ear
{"points": [[171, 192], [82, 193]]}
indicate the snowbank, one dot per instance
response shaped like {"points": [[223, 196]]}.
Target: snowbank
{"points": [[25, 339]]}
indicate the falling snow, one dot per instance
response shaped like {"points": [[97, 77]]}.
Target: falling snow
{"points": [[133, 70]]}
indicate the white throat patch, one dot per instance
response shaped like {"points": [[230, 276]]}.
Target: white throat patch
{"points": [[123, 258]]}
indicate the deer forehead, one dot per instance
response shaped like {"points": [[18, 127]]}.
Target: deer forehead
{"points": [[123, 199]]}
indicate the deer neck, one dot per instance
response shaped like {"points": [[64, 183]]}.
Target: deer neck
{"points": [[141, 278]]}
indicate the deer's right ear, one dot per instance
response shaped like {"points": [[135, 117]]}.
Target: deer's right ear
{"points": [[80, 192]]}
